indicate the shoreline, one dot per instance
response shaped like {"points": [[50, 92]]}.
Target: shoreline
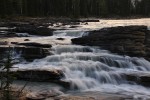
{"points": [[27, 18]]}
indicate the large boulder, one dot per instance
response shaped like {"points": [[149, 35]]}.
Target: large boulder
{"points": [[127, 40]]}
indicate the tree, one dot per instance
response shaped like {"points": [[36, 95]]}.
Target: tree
{"points": [[7, 77]]}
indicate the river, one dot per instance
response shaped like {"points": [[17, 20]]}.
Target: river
{"points": [[91, 69]]}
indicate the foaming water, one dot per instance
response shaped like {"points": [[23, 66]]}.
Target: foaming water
{"points": [[72, 33], [92, 69]]}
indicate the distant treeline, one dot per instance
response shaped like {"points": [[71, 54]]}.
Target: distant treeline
{"points": [[75, 8]]}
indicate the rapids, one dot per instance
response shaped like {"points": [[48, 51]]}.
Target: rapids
{"points": [[89, 68]]}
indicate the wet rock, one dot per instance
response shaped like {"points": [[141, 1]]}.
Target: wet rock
{"points": [[43, 95], [9, 34], [34, 44], [39, 75], [85, 20], [4, 43], [31, 53], [14, 42], [26, 39], [127, 40], [34, 30], [92, 96], [28, 53], [74, 26], [140, 78], [26, 27], [60, 38]]}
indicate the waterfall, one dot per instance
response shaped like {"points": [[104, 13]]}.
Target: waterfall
{"points": [[71, 33], [87, 68]]}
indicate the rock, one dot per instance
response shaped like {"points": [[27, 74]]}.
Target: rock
{"points": [[26, 39], [4, 43], [39, 75], [34, 30], [43, 95], [74, 26], [35, 96], [14, 42], [34, 44], [127, 40], [29, 53], [139, 78], [60, 38], [92, 96], [85, 20]]}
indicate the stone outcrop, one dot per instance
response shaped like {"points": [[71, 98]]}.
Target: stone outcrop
{"points": [[138, 78], [28, 53], [39, 75], [34, 44], [15, 29], [34, 30], [128, 40]]}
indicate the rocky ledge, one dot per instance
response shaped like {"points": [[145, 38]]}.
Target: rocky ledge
{"points": [[29, 53], [16, 29], [127, 40], [39, 75]]}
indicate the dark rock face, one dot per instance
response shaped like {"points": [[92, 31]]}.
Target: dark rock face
{"points": [[29, 53], [39, 75], [139, 78], [128, 40], [61, 39], [33, 30], [33, 44], [15, 28]]}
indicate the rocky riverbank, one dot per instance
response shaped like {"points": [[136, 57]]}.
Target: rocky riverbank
{"points": [[128, 40], [37, 26]]}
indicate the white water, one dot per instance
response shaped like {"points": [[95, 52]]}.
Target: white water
{"points": [[93, 69]]}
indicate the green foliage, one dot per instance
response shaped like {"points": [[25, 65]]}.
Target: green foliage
{"points": [[74, 8]]}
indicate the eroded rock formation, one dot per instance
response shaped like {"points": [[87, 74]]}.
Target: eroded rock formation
{"points": [[128, 40]]}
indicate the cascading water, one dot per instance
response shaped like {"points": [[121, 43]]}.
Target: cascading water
{"points": [[93, 69]]}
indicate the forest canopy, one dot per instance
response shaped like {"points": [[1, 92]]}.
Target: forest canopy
{"points": [[75, 8]]}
